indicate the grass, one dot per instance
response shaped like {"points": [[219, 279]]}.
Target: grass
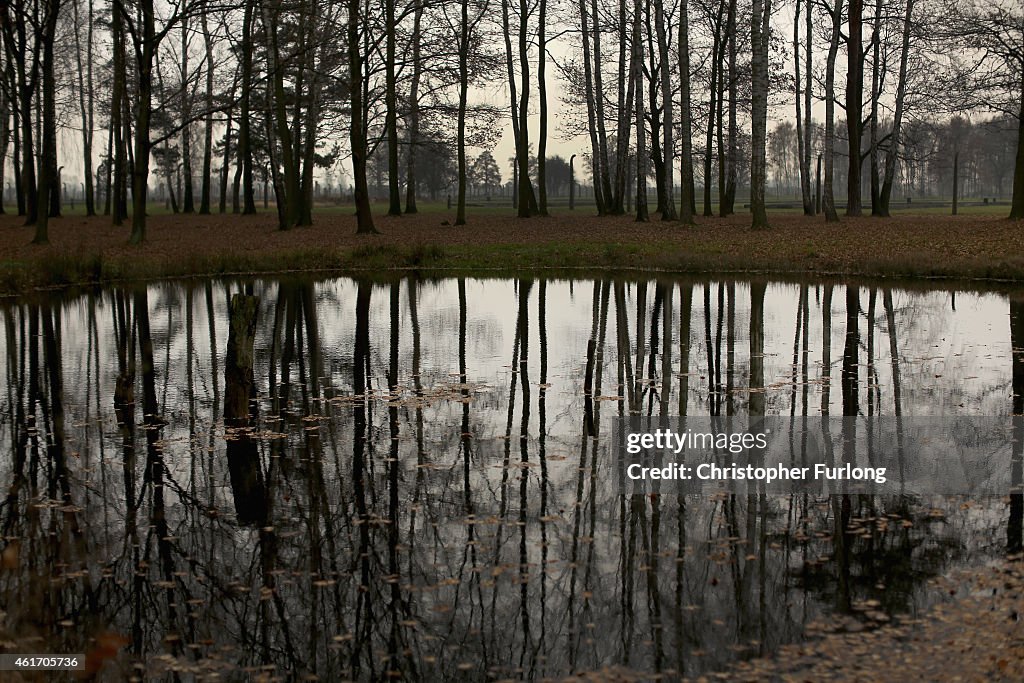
{"points": [[89, 252]]}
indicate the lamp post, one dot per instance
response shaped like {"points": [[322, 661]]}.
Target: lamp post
{"points": [[572, 184]]}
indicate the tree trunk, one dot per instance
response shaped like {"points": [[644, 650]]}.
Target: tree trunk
{"points": [[119, 209], [108, 179], [876, 74], [526, 198], [854, 95], [831, 216], [391, 105], [357, 130], [669, 213], [226, 164], [414, 111], [656, 157], [12, 84], [802, 126], [808, 121], [26, 90], [641, 133], [625, 101], [728, 203], [145, 49], [542, 94], [245, 106], [514, 100], [204, 197], [312, 91], [597, 161], [1017, 208], [5, 132], [188, 201], [760, 24], [48, 152], [716, 50], [460, 211], [602, 133], [687, 190], [289, 216], [85, 103]]}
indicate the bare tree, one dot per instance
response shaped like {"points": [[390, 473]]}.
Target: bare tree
{"points": [[854, 104], [760, 34], [803, 116], [641, 142], [897, 122], [669, 212], [687, 189], [85, 100], [357, 126], [597, 160], [829, 203]]}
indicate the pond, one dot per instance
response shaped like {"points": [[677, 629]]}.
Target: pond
{"points": [[348, 479]]}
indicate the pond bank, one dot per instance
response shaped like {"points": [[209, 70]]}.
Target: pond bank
{"points": [[84, 251], [976, 636]]}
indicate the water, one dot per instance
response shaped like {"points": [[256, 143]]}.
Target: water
{"points": [[422, 483]]}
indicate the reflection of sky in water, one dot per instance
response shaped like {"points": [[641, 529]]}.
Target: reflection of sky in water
{"points": [[587, 576], [952, 362]]}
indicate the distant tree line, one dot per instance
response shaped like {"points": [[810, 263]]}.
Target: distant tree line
{"points": [[930, 152]]}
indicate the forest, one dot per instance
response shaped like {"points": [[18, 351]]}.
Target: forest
{"points": [[678, 107]]}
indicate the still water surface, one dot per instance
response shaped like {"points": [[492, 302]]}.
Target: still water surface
{"points": [[416, 478]]}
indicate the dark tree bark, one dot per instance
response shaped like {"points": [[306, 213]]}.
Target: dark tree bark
{"points": [[687, 191], [716, 60], [145, 49], [289, 200], [803, 123], [1017, 208], [85, 103], [669, 209], [831, 216], [188, 201], [602, 133], [226, 164], [391, 105], [760, 23], [414, 111], [204, 196], [526, 197], [542, 94], [460, 211], [5, 137], [245, 109], [641, 133], [24, 81], [854, 105], [728, 200], [597, 161], [119, 193], [357, 126], [49, 183], [876, 76], [625, 100]]}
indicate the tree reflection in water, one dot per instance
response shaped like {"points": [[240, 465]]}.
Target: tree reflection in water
{"points": [[415, 479]]}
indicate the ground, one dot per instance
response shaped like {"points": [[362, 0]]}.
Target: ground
{"points": [[90, 250], [975, 636]]}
